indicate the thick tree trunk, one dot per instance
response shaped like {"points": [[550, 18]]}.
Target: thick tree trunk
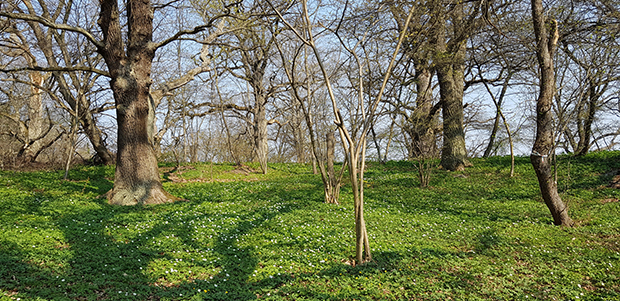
{"points": [[543, 145], [450, 66], [422, 124], [137, 178], [454, 153]]}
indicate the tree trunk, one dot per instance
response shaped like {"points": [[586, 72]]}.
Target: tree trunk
{"points": [[450, 66], [491, 145], [422, 124], [454, 153], [585, 131], [36, 136], [93, 132], [332, 190], [498, 113], [546, 44], [137, 179], [260, 134]]}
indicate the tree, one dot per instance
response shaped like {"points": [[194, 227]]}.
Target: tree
{"points": [[588, 75], [169, 86], [36, 131], [136, 180], [331, 182], [420, 118], [255, 48], [354, 142], [128, 57], [63, 53], [449, 61], [546, 45]]}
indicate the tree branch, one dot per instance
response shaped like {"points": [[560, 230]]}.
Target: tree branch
{"points": [[51, 24], [57, 69], [196, 29]]}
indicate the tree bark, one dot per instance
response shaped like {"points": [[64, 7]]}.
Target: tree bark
{"points": [[332, 191], [546, 43], [421, 127], [585, 118], [261, 145], [450, 66], [137, 179]]}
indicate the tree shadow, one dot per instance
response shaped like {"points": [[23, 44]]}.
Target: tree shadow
{"points": [[99, 263]]}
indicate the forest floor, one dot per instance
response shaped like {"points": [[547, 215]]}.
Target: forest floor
{"points": [[242, 235]]}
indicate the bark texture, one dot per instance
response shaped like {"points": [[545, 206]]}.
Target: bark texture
{"points": [[450, 65], [422, 123], [332, 190], [137, 178], [546, 44]]}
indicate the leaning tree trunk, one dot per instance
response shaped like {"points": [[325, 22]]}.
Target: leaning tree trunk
{"points": [[93, 132], [137, 178], [546, 44]]}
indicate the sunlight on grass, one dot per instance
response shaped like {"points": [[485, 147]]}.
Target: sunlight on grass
{"points": [[477, 234]]}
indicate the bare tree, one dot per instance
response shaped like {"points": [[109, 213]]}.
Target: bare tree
{"points": [[546, 45], [64, 52], [420, 117], [354, 145], [588, 75], [37, 131], [324, 159]]}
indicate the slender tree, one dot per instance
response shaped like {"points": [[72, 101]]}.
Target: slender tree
{"points": [[546, 45]]}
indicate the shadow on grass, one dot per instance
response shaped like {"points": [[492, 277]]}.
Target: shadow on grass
{"points": [[98, 264]]}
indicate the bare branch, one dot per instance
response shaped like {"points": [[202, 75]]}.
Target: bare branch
{"points": [[52, 24], [196, 29], [57, 69]]}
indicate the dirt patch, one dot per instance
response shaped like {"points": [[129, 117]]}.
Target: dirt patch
{"points": [[610, 200], [615, 182], [244, 170]]}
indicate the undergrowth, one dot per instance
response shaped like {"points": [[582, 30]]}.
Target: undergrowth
{"points": [[241, 235]]}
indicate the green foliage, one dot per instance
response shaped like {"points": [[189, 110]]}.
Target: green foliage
{"points": [[472, 235]]}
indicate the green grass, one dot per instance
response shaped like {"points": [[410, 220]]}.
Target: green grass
{"points": [[473, 235]]}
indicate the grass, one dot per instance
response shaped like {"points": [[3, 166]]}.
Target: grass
{"points": [[473, 235]]}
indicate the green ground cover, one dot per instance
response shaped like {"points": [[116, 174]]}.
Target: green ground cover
{"points": [[473, 235]]}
